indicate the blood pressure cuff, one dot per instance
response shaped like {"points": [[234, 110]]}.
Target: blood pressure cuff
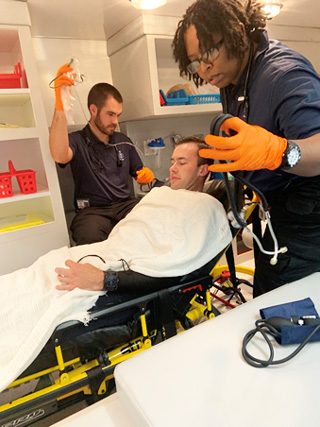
{"points": [[293, 334]]}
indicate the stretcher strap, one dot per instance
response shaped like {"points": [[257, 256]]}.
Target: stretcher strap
{"points": [[231, 265], [95, 378], [166, 314]]}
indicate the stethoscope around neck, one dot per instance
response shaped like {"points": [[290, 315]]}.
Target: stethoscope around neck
{"points": [[243, 100], [95, 159]]}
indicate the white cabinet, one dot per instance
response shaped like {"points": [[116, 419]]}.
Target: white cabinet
{"points": [[143, 67], [32, 219]]}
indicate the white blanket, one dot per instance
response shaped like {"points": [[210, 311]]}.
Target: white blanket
{"points": [[169, 233]]}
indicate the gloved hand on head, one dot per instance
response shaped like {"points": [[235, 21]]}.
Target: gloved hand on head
{"points": [[252, 148], [144, 176], [62, 80]]}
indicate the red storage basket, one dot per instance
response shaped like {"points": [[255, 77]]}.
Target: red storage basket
{"points": [[5, 185], [11, 81], [26, 180]]}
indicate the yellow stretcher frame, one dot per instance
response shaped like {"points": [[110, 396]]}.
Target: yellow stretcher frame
{"points": [[73, 378], [74, 381]]}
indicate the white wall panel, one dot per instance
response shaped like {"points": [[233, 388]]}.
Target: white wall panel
{"points": [[94, 63]]}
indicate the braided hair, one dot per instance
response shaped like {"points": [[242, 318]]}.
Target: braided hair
{"points": [[219, 17]]}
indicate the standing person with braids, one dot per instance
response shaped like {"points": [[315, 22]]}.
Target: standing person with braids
{"points": [[274, 94]]}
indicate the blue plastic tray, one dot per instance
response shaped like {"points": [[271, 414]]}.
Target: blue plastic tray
{"points": [[180, 97], [204, 98]]}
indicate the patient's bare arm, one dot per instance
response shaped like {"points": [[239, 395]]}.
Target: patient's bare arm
{"points": [[83, 276]]}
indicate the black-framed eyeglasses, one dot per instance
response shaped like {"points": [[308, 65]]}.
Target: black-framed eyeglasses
{"points": [[207, 57]]}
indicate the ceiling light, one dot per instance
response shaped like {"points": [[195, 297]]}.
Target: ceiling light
{"points": [[271, 8], [147, 4]]}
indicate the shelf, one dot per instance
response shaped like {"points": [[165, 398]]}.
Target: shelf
{"points": [[40, 206], [24, 222], [18, 196], [16, 108], [144, 67], [182, 110], [14, 97], [31, 224], [11, 134]]}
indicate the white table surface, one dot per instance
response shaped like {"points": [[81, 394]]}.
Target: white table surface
{"points": [[199, 377], [107, 412]]}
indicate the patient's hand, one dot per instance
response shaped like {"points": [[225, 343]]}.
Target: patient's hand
{"points": [[83, 276]]}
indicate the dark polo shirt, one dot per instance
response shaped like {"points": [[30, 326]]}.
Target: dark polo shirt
{"points": [[284, 98], [96, 168]]}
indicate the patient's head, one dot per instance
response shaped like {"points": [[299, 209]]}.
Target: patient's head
{"points": [[188, 170]]}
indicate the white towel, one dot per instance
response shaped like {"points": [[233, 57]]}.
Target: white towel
{"points": [[169, 233]]}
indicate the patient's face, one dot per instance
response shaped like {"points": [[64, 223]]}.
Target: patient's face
{"points": [[184, 171]]}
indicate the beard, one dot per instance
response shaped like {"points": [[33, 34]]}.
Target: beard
{"points": [[106, 130]]}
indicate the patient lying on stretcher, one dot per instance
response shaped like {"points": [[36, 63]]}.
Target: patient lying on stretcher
{"points": [[188, 171], [171, 232]]}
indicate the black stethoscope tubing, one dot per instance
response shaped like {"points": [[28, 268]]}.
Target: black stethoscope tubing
{"points": [[95, 160], [243, 100]]}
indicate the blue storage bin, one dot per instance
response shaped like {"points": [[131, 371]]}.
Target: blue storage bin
{"points": [[204, 98], [180, 97]]}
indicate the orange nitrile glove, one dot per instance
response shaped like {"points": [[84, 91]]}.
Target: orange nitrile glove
{"points": [[252, 148], [62, 80], [144, 176]]}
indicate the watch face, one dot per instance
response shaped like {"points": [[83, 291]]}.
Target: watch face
{"points": [[293, 156], [111, 280]]}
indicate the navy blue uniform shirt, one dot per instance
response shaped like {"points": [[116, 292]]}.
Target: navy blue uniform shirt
{"points": [[284, 98], [96, 168]]}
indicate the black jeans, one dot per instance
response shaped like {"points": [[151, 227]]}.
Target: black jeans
{"points": [[94, 224]]}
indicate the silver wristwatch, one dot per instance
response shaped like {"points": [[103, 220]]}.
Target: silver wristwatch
{"points": [[291, 156]]}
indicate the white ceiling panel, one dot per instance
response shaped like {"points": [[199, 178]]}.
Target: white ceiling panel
{"points": [[100, 19]]}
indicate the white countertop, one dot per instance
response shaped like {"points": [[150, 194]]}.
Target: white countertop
{"points": [[199, 378], [107, 412]]}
